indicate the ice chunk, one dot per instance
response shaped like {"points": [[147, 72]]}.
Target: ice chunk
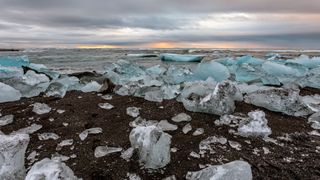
{"points": [[198, 132], [91, 87], [286, 101], [181, 117], [5, 120], [177, 75], [156, 70], [8, 93], [48, 169], [133, 111], [133, 176], [14, 61], [257, 125], [56, 89], [170, 92], [153, 146], [127, 154], [220, 101], [142, 55], [181, 58], [154, 96], [67, 142], [101, 151], [235, 145], [312, 79], [107, 97], [28, 130], [187, 128], [248, 73], [315, 120], [307, 61], [249, 60], [166, 126], [277, 69], [142, 122], [246, 89], [86, 132], [47, 136], [10, 72], [31, 78], [212, 69], [194, 155], [105, 106], [41, 108], [12, 155], [239, 170]]}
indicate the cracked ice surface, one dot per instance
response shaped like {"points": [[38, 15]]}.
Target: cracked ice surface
{"points": [[12, 155], [153, 146], [257, 125], [239, 170]]}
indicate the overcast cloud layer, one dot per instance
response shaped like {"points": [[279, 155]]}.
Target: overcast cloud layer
{"points": [[160, 23]]}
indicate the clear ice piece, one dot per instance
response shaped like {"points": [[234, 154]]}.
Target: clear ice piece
{"points": [[180, 57], [8, 93], [41, 108], [101, 151], [211, 69]]}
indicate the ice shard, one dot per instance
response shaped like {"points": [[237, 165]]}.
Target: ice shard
{"points": [[181, 57]]}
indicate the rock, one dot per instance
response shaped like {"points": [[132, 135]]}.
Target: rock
{"points": [[153, 146], [48, 169], [239, 170], [12, 156], [181, 118]]}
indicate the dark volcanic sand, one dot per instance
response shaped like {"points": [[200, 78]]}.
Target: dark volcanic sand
{"points": [[297, 159]]}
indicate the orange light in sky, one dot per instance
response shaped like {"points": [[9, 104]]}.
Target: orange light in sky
{"points": [[97, 46], [162, 45]]}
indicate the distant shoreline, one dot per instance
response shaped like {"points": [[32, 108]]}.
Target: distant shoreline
{"points": [[3, 50]]}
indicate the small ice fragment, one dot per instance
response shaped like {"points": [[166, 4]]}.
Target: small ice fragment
{"points": [[174, 149], [154, 96], [67, 142], [173, 177], [133, 111], [266, 150], [32, 157], [50, 169], [5, 120], [127, 154], [315, 120], [153, 146], [107, 97], [12, 156], [101, 151], [91, 87], [205, 145], [105, 106], [239, 170], [8, 93], [59, 157], [187, 128], [47, 136], [28, 130], [166, 126], [65, 124], [198, 132], [142, 122], [133, 176], [41, 108], [257, 125], [60, 111], [235, 145], [51, 119], [181, 117], [86, 132], [194, 155]]}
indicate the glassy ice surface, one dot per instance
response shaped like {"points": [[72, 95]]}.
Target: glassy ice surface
{"points": [[8, 93], [48, 169], [91, 87], [153, 146], [240, 170], [166, 126], [84, 134], [101, 151], [5, 120], [181, 117], [12, 156], [286, 101], [212, 69], [180, 57], [14, 61]]}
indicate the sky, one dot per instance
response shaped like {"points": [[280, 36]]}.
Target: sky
{"points": [[285, 24]]}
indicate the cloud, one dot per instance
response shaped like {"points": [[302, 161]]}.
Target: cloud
{"points": [[129, 22]]}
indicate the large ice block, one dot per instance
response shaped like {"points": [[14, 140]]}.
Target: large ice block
{"points": [[12, 155], [211, 69], [219, 101], [181, 57], [240, 170], [153, 146], [14, 61], [282, 100], [8, 93], [307, 61]]}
